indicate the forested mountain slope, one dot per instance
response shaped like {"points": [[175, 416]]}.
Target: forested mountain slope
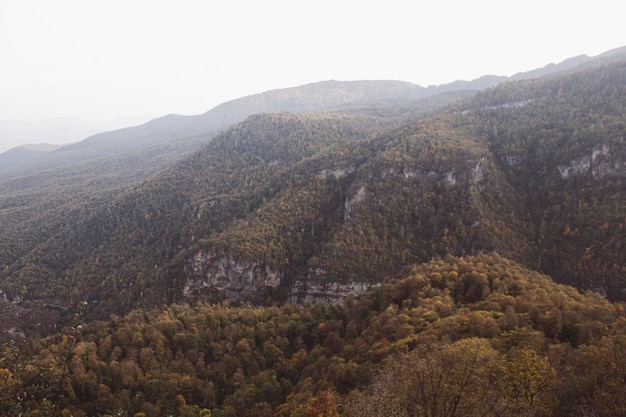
{"points": [[561, 144], [145, 230], [313, 206], [533, 170], [40, 203], [39, 191]]}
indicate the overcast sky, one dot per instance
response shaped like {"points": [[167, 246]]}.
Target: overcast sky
{"points": [[106, 59]]}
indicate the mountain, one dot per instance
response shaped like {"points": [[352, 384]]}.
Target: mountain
{"points": [[122, 157], [315, 205], [14, 133], [132, 154], [40, 195], [581, 61], [25, 154], [533, 170], [298, 263], [158, 134]]}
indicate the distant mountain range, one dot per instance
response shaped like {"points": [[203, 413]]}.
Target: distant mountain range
{"points": [[24, 154], [14, 133], [311, 97]]}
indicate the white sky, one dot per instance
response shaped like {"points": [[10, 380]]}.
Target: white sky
{"points": [[105, 59]]}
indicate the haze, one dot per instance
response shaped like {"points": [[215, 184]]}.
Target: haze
{"points": [[104, 60]]}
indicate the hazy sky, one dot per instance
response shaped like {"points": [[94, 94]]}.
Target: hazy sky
{"points": [[106, 59]]}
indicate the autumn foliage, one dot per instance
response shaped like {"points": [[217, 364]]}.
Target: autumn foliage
{"points": [[456, 336]]}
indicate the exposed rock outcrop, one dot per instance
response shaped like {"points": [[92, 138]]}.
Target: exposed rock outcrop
{"points": [[603, 161], [326, 291], [232, 278]]}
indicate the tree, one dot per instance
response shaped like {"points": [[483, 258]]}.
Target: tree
{"points": [[435, 380], [324, 405], [594, 377], [528, 380]]}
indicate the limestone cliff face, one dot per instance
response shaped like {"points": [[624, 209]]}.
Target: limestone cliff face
{"points": [[225, 277], [210, 273], [326, 291], [604, 160]]}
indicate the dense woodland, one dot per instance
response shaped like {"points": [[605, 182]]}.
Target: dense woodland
{"points": [[452, 337], [532, 169], [487, 226]]}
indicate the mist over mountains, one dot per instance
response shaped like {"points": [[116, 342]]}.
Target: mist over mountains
{"points": [[14, 133]]}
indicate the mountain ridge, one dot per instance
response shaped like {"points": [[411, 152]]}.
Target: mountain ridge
{"points": [[235, 110], [293, 204], [61, 131]]}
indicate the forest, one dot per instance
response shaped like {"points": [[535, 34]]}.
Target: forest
{"points": [[532, 169], [450, 256], [478, 336]]}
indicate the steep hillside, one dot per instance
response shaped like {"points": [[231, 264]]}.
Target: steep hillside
{"points": [[533, 170], [44, 203], [560, 144], [137, 235], [316, 205], [47, 186]]}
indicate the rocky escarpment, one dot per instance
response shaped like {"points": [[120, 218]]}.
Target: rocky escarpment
{"points": [[211, 275], [327, 291], [604, 160], [225, 277]]}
